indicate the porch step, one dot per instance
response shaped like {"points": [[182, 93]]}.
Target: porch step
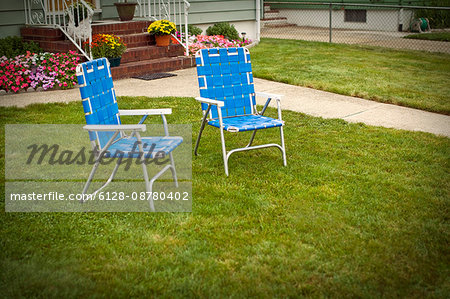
{"points": [[41, 33], [120, 28], [142, 55], [55, 46], [151, 52], [138, 40], [142, 67]]}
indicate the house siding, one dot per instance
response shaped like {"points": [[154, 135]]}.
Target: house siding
{"points": [[12, 15], [204, 11]]}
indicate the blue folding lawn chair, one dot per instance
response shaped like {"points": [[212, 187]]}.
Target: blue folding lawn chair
{"points": [[108, 134], [227, 95]]}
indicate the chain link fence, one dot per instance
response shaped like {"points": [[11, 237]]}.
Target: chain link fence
{"points": [[395, 26]]}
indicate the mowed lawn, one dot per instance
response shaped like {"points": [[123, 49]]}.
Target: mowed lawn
{"points": [[358, 212], [408, 78]]}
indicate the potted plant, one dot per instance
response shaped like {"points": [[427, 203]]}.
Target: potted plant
{"points": [[162, 30], [107, 45], [126, 10]]}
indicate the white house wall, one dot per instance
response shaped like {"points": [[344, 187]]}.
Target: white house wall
{"points": [[381, 20]]}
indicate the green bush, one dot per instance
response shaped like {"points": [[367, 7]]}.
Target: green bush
{"points": [[225, 29], [13, 46], [194, 30], [438, 18]]}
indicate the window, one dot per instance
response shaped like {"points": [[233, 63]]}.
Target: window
{"points": [[355, 15]]}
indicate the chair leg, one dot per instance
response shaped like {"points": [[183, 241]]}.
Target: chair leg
{"points": [[252, 138], [199, 136], [91, 175], [174, 171], [282, 145], [202, 127], [224, 152], [148, 187]]}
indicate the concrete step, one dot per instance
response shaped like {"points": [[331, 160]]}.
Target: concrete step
{"points": [[273, 21], [166, 64], [279, 25], [271, 14]]}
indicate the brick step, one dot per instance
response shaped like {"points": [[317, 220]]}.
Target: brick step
{"points": [[121, 28], [151, 52], [167, 64], [138, 40], [41, 33], [55, 46]]}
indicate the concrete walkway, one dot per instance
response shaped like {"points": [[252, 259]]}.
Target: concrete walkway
{"points": [[300, 99]]}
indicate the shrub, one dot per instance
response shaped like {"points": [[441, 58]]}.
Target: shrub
{"points": [[225, 29], [13, 46], [438, 18], [194, 30]]}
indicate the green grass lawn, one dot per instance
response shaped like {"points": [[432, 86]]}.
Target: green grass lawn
{"points": [[408, 78], [359, 211], [436, 36]]}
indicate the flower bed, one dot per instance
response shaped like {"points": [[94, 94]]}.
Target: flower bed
{"points": [[44, 70], [197, 42]]}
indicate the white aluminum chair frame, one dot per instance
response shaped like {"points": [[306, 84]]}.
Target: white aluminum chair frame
{"points": [[226, 154], [135, 129]]}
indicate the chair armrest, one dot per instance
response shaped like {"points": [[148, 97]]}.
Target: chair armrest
{"points": [[210, 102], [269, 95], [145, 112], [141, 128]]}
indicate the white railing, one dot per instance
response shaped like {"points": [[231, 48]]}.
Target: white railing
{"points": [[173, 10], [72, 17]]}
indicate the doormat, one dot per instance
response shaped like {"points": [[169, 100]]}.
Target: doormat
{"points": [[154, 76]]}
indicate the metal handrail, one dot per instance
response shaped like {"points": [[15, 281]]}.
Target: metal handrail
{"points": [[176, 11], [61, 14]]}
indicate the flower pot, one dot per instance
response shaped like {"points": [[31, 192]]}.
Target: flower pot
{"points": [[125, 10], [162, 40], [113, 62]]}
